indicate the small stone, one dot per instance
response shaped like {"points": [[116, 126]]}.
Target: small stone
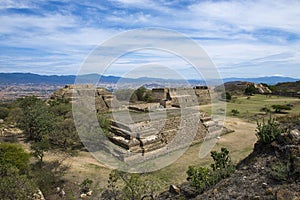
{"points": [[269, 191], [174, 189], [264, 185], [256, 197], [215, 191], [89, 193]]}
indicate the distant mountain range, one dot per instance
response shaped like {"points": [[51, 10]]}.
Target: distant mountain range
{"points": [[29, 78]]}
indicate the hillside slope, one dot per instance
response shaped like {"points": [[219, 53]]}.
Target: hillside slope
{"points": [[271, 171]]}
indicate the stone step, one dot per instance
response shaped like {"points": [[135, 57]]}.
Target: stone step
{"points": [[205, 119], [122, 142], [209, 124], [147, 148], [120, 125], [121, 132]]}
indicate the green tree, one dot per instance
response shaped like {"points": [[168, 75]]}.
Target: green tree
{"points": [[38, 123], [250, 90], [36, 120], [14, 185], [226, 96], [3, 112], [147, 97], [14, 165]]}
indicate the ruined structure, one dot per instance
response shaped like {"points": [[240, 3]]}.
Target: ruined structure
{"points": [[174, 97], [103, 98], [150, 129], [151, 135]]}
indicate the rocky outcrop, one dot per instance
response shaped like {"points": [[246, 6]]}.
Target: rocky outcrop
{"points": [[271, 171]]}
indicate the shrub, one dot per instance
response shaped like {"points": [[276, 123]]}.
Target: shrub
{"points": [[199, 177], [235, 112], [226, 96], [203, 178], [86, 185], [3, 112], [265, 109], [279, 108], [267, 133], [14, 155], [250, 90], [280, 171], [222, 166], [127, 186]]}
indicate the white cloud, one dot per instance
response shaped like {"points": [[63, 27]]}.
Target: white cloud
{"points": [[237, 35]]}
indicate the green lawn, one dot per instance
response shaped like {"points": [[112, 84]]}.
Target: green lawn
{"points": [[249, 108]]}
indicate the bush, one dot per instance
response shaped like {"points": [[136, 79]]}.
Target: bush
{"points": [[280, 171], [203, 178], [279, 108], [265, 109], [14, 155], [3, 112], [86, 185], [250, 90], [127, 186], [269, 132], [235, 112], [199, 177], [14, 183], [226, 96]]}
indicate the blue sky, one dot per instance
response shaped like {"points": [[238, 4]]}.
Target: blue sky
{"points": [[242, 38]]}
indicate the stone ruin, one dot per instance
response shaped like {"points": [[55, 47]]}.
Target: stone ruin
{"points": [[172, 97], [146, 129], [150, 136]]}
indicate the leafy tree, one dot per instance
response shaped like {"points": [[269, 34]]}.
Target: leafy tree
{"points": [[226, 96], [140, 92], [15, 185], [268, 132], [279, 108], [14, 165], [38, 123], [36, 120], [40, 148], [148, 98], [250, 90], [3, 112]]}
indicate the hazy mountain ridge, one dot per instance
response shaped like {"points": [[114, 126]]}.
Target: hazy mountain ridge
{"points": [[30, 78]]}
